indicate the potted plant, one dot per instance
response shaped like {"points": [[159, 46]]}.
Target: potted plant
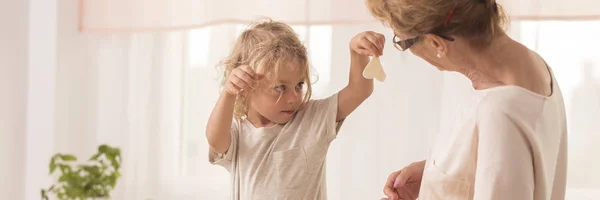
{"points": [[94, 179]]}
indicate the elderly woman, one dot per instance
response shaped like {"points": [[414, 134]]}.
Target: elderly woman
{"points": [[509, 141]]}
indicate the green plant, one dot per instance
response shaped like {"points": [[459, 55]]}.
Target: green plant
{"points": [[92, 179]]}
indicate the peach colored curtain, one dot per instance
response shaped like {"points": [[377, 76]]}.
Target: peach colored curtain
{"points": [[552, 9], [148, 15]]}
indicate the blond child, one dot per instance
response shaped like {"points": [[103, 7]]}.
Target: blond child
{"points": [[265, 130]]}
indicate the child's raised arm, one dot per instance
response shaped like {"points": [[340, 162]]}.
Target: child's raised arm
{"points": [[241, 79], [359, 88]]}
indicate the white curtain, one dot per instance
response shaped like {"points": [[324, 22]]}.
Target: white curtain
{"points": [[577, 65], [123, 90], [151, 93]]}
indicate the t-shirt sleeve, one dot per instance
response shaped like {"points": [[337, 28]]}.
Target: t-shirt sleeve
{"points": [[504, 158], [322, 114], [226, 159]]}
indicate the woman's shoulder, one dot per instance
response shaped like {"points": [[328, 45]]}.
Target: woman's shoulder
{"points": [[510, 97], [511, 103], [512, 109]]}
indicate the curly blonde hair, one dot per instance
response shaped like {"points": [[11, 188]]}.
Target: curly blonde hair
{"points": [[476, 20], [266, 46]]}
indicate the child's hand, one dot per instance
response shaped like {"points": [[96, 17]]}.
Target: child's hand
{"points": [[368, 43], [242, 78]]}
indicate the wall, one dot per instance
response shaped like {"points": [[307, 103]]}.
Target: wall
{"points": [[13, 87], [27, 63], [41, 88], [74, 102]]}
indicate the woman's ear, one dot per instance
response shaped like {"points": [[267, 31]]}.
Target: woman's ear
{"points": [[437, 44]]}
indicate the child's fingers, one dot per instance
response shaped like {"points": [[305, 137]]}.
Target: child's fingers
{"points": [[363, 52], [246, 78], [381, 39], [232, 88], [376, 42], [370, 46], [259, 76], [238, 82], [248, 71]]}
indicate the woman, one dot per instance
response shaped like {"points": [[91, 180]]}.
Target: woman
{"points": [[509, 141]]}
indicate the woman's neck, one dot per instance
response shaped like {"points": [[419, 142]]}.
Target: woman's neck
{"points": [[490, 67]]}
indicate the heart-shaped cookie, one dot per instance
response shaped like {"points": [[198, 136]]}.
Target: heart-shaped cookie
{"points": [[374, 70]]}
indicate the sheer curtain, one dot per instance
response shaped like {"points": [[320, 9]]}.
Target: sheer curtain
{"points": [[576, 64], [123, 90], [151, 93]]}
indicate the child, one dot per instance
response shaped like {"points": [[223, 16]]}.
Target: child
{"points": [[264, 129]]}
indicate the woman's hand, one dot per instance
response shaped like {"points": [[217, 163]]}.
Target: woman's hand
{"points": [[406, 183], [368, 43]]}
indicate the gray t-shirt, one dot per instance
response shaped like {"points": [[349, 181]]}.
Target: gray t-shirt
{"points": [[283, 161]]}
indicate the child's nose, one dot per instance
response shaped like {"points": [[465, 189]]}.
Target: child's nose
{"points": [[292, 97]]}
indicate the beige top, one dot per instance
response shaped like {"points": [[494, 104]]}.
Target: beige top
{"points": [[283, 161], [508, 143]]}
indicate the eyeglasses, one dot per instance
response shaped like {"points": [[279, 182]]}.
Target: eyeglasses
{"points": [[403, 45]]}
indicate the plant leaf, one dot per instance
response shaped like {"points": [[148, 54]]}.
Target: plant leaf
{"points": [[44, 196], [64, 168], [94, 179], [95, 156], [68, 157], [56, 156], [52, 166], [103, 148], [63, 178]]}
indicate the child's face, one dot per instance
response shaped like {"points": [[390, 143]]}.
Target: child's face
{"points": [[276, 101]]}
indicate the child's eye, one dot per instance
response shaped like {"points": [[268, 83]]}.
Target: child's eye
{"points": [[279, 89], [299, 86]]}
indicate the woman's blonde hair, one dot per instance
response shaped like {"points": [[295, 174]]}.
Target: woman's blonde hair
{"points": [[478, 21], [266, 46]]}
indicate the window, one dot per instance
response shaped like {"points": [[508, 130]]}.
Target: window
{"points": [[571, 49], [197, 179], [198, 46], [568, 47], [319, 52]]}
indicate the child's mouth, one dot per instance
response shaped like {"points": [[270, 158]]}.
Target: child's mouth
{"points": [[289, 112]]}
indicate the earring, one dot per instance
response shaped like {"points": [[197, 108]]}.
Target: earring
{"points": [[439, 55]]}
